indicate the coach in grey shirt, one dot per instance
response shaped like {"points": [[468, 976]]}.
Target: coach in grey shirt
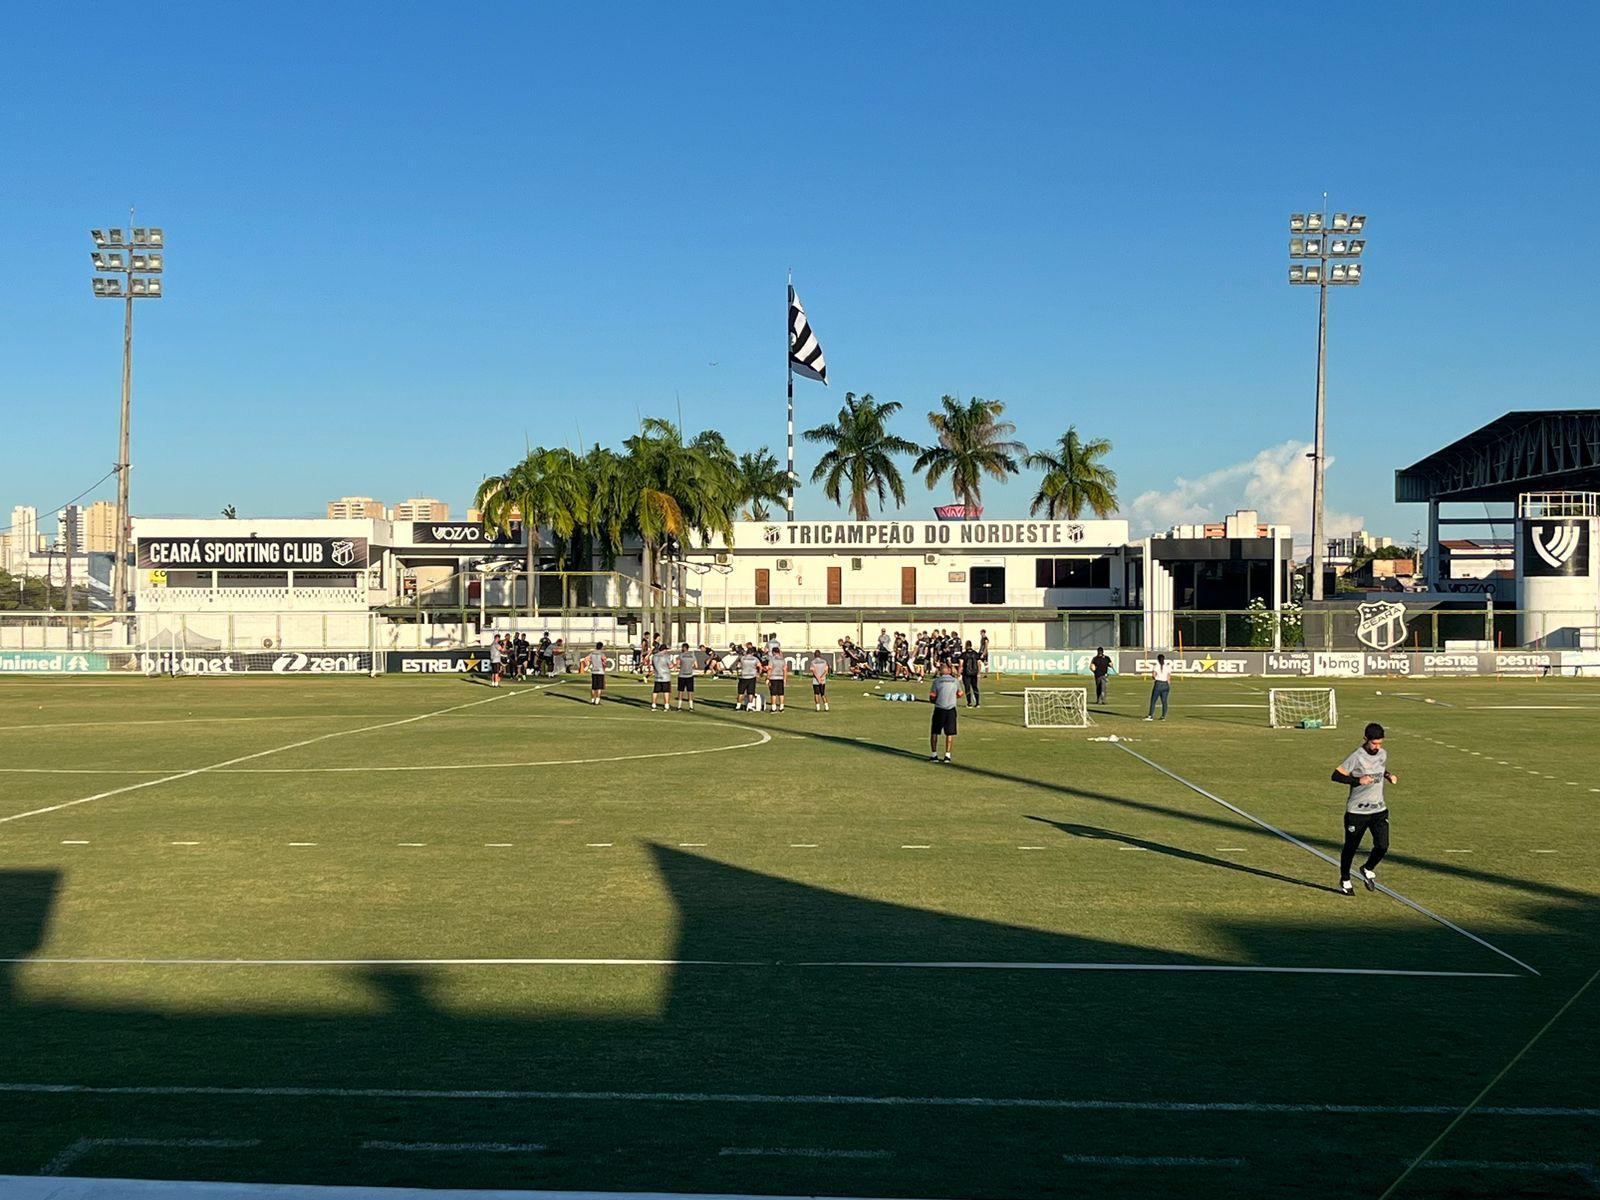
{"points": [[944, 693]]}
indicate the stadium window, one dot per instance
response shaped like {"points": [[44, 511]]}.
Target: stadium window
{"points": [[1072, 572]]}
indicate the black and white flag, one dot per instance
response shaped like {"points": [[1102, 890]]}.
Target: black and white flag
{"points": [[805, 352]]}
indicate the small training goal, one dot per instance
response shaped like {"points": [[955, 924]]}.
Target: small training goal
{"points": [[1055, 708], [1302, 708]]}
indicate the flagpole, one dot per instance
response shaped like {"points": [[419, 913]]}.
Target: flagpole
{"points": [[788, 359]]}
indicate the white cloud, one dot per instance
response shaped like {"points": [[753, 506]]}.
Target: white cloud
{"points": [[1276, 483]]}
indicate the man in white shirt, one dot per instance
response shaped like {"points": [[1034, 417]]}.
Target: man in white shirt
{"points": [[1161, 687]]}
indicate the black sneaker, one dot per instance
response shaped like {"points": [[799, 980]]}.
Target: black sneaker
{"points": [[1370, 878], [1346, 888]]}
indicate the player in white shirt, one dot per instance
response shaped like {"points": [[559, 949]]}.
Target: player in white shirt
{"points": [[597, 672], [1161, 687], [819, 681]]}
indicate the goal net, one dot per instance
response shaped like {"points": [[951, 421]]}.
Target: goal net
{"points": [[1055, 708], [1302, 708]]}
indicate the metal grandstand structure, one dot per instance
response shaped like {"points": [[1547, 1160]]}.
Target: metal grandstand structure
{"points": [[1542, 450]]}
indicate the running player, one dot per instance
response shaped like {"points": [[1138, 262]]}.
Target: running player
{"points": [[944, 694], [597, 673], [819, 681], [686, 665], [661, 672], [777, 677], [1364, 771]]}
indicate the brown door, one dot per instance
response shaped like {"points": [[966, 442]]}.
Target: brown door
{"points": [[835, 585], [763, 586], [908, 585]]}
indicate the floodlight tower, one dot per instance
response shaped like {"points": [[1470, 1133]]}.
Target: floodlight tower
{"points": [[130, 270], [1332, 245]]}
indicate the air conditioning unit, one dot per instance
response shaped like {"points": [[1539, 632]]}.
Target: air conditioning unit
{"points": [[855, 564], [930, 559], [785, 564], [723, 558]]}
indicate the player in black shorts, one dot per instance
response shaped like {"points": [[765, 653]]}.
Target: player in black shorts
{"points": [[686, 665], [597, 673], [819, 681]]}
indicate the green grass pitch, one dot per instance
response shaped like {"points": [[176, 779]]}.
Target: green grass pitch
{"points": [[249, 930]]}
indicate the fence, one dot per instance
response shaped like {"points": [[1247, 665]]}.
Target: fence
{"points": [[275, 637]]}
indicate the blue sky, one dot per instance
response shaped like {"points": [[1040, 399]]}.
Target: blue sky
{"points": [[403, 238]]}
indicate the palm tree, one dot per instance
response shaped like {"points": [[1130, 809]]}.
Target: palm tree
{"points": [[759, 480], [861, 454], [544, 489], [971, 441], [1074, 478], [673, 489]]}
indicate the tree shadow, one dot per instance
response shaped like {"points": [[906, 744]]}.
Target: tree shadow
{"points": [[1206, 860]]}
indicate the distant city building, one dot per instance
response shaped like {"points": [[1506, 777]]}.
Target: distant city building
{"points": [[69, 530], [356, 508], [24, 534], [1245, 523], [421, 508], [1342, 551], [1476, 558], [98, 527]]}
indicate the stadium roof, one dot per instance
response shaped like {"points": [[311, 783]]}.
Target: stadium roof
{"points": [[1548, 450]]}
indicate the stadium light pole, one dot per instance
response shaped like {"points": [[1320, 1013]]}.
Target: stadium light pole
{"points": [[1327, 248], [129, 269]]}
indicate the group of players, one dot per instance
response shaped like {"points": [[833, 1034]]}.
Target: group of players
{"points": [[750, 664], [897, 656]]}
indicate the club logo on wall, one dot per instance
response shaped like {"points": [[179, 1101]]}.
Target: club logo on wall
{"points": [[343, 553], [1381, 625], [1556, 548], [771, 534]]}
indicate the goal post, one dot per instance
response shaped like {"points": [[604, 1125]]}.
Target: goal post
{"points": [[1055, 708], [1302, 708]]}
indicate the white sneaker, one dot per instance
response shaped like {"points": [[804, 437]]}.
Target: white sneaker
{"points": [[1149, 718], [1346, 888], [1370, 878]]}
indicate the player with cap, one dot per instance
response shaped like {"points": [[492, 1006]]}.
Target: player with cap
{"points": [[1364, 771], [946, 691]]}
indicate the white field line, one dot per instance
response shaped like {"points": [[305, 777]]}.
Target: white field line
{"points": [[322, 737], [1475, 1104], [929, 965], [825, 1100], [762, 738], [83, 1146], [459, 1147], [342, 716], [1587, 1169], [798, 1152], [1128, 1160], [1332, 862]]}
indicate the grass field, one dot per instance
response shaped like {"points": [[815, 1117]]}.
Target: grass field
{"points": [[798, 957]]}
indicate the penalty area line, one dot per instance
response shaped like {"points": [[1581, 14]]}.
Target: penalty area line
{"points": [[822, 1099], [338, 733], [884, 965], [1310, 849]]}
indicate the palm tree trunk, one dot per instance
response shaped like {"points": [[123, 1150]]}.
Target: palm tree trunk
{"points": [[533, 562]]}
